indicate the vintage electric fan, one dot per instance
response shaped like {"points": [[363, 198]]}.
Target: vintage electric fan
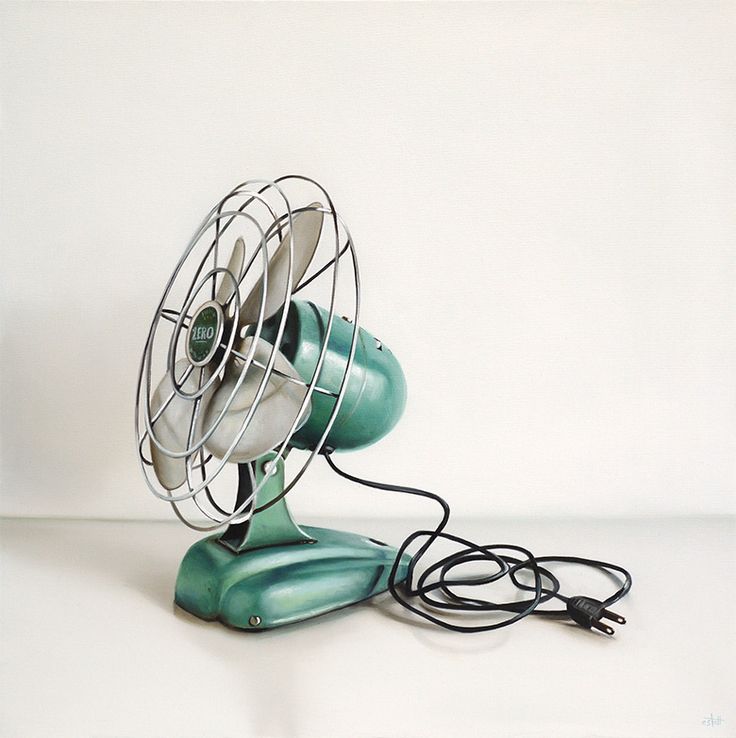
{"points": [[247, 375], [236, 374]]}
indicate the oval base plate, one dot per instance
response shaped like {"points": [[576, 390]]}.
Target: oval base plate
{"points": [[279, 585]]}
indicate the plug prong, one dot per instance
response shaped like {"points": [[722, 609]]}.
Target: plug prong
{"points": [[598, 625], [613, 616]]}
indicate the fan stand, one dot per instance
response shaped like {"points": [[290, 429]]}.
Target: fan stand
{"points": [[268, 571]]}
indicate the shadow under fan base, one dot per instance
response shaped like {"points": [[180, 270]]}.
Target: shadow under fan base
{"points": [[279, 585]]}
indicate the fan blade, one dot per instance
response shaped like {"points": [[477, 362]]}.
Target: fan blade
{"points": [[227, 289], [307, 227], [172, 428], [274, 415]]}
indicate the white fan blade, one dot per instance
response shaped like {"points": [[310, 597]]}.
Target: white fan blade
{"points": [[227, 289], [273, 418], [172, 428], [307, 229]]}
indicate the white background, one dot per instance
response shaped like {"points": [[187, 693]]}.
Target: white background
{"points": [[541, 195]]}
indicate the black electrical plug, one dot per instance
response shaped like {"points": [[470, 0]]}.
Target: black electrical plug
{"points": [[588, 613]]}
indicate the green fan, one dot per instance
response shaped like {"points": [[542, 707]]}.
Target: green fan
{"points": [[249, 382]]}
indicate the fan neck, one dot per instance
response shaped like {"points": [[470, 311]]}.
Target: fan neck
{"points": [[273, 526]]}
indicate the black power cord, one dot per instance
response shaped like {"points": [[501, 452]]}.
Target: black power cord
{"points": [[435, 581]]}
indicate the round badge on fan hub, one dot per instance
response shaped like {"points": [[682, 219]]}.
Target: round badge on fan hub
{"points": [[205, 333]]}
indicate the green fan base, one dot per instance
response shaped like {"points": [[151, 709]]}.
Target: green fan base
{"points": [[277, 585], [268, 571]]}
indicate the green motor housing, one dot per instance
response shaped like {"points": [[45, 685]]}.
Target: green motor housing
{"points": [[375, 395]]}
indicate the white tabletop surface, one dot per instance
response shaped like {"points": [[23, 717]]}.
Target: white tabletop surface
{"points": [[91, 645]]}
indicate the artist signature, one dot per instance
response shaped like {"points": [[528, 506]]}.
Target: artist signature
{"points": [[713, 721]]}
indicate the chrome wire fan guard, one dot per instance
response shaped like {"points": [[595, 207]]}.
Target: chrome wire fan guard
{"points": [[203, 303]]}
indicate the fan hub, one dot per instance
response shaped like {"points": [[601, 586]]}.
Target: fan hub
{"points": [[205, 333]]}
